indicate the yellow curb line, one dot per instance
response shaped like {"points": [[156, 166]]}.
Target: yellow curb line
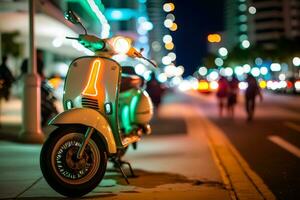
{"points": [[241, 180]]}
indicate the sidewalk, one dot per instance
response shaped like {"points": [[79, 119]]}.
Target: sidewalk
{"points": [[170, 164], [179, 161]]}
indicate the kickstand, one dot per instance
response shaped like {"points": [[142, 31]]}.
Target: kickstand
{"points": [[129, 166], [118, 164]]}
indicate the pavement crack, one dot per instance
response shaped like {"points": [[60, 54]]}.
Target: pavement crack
{"points": [[35, 182]]}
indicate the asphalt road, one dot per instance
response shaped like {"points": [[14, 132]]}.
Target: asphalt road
{"points": [[270, 143]]}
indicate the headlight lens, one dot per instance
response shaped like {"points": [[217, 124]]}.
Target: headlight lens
{"points": [[121, 45]]}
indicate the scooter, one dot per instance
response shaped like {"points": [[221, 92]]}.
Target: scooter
{"points": [[104, 113]]}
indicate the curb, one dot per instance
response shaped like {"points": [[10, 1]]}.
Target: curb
{"points": [[242, 182]]}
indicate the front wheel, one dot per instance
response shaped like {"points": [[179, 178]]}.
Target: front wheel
{"points": [[62, 170]]}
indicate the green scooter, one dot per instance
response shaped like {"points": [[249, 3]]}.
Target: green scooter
{"points": [[104, 112]]}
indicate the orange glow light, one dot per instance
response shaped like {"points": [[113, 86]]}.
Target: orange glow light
{"points": [[172, 6], [169, 46], [214, 38], [263, 84], [91, 88], [203, 85], [174, 27]]}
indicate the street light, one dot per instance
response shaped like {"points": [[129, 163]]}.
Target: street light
{"points": [[174, 27], [214, 38], [202, 71], [168, 7], [167, 39], [275, 67], [219, 61], [245, 44], [252, 10], [223, 52], [296, 61]]}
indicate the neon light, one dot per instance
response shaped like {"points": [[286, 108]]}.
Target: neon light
{"points": [[126, 118], [91, 88], [101, 17]]}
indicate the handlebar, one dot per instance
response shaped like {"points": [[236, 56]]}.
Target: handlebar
{"points": [[93, 43], [72, 38]]}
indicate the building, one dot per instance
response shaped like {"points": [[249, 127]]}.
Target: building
{"points": [[51, 29], [262, 22], [157, 16]]}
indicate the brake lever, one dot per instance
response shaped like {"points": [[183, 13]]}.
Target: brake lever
{"points": [[150, 61]]}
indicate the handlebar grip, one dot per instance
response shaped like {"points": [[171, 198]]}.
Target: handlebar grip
{"points": [[72, 38]]}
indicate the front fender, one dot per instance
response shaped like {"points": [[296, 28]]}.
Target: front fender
{"points": [[87, 117]]}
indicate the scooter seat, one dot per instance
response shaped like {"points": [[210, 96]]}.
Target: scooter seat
{"points": [[129, 82]]}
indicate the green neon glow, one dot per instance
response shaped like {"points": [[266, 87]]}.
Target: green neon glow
{"points": [[126, 119], [242, 7], [133, 106], [243, 37], [115, 14], [93, 45], [243, 27], [243, 18], [87, 7]]}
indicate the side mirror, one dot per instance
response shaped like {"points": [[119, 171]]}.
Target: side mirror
{"points": [[72, 17]]}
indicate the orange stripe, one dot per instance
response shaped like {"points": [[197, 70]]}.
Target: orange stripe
{"points": [[91, 87]]}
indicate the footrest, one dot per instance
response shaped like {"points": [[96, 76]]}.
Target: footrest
{"points": [[130, 139]]}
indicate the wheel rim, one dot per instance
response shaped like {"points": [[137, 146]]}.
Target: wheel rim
{"points": [[64, 160]]}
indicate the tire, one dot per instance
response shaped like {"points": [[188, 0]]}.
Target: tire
{"points": [[65, 174]]}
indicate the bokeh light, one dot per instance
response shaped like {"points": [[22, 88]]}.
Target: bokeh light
{"points": [[214, 38], [169, 46], [223, 51]]}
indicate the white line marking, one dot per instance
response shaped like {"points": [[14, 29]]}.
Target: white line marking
{"points": [[285, 145], [292, 126]]}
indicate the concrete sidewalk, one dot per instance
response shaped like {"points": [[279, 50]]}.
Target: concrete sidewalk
{"points": [[170, 164], [179, 161]]}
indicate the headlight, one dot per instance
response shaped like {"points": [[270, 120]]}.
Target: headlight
{"points": [[121, 45]]}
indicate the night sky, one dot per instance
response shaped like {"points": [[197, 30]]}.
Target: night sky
{"points": [[195, 19]]}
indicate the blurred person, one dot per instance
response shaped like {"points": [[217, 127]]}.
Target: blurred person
{"points": [[48, 107], [232, 95], [39, 63], [6, 80], [24, 67], [155, 90], [222, 94], [250, 94]]}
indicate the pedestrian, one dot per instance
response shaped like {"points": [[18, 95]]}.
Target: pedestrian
{"points": [[232, 95], [6, 80], [155, 90], [39, 64], [250, 94], [222, 94]]}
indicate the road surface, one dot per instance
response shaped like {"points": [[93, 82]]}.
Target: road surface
{"points": [[270, 143]]}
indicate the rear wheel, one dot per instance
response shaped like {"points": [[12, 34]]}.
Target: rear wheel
{"points": [[62, 170]]}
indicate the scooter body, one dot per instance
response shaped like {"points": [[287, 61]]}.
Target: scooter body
{"points": [[93, 83], [136, 110], [99, 121], [98, 88]]}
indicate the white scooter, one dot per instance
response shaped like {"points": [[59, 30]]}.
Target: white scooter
{"points": [[104, 113]]}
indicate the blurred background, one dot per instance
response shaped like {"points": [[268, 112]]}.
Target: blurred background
{"points": [[193, 43]]}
